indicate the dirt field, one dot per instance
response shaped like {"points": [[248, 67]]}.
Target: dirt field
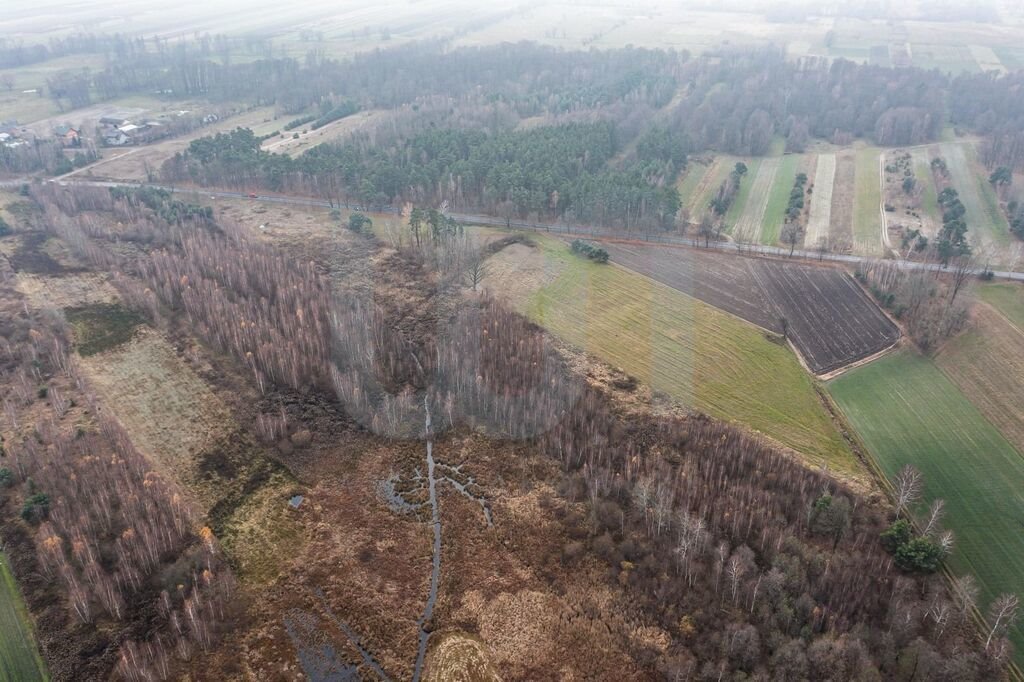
{"points": [[830, 320], [820, 218]]}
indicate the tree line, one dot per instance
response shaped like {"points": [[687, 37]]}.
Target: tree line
{"points": [[556, 172]]}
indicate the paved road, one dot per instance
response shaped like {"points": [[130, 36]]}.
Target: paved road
{"points": [[589, 232]]}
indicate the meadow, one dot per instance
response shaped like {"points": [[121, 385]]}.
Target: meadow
{"points": [[19, 657], [701, 357], [987, 363], [986, 223], [778, 198], [867, 202], [908, 412], [1007, 298]]}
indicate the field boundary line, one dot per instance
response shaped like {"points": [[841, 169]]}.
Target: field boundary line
{"points": [[828, 376], [697, 300]]}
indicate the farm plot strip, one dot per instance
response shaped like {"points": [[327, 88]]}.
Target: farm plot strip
{"points": [[775, 211], [830, 320], [841, 226], [867, 221], [908, 412], [821, 202], [709, 184], [752, 210], [19, 657], [931, 216], [986, 225], [987, 364], [691, 182], [744, 194]]}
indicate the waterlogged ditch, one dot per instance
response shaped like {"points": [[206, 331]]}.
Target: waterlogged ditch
{"points": [[403, 496]]}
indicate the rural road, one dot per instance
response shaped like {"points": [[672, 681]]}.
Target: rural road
{"points": [[589, 232]]}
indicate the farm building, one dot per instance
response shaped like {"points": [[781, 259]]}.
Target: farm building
{"points": [[68, 135], [115, 138]]}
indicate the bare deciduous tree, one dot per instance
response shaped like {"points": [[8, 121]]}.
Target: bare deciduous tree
{"points": [[908, 486], [1002, 615]]}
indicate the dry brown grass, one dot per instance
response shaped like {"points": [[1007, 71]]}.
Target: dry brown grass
{"points": [[169, 412], [67, 291], [458, 657], [518, 271]]}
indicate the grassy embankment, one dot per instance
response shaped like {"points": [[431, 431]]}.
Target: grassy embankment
{"points": [[19, 656]]}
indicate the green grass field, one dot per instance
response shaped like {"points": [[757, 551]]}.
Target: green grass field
{"points": [[985, 220], [699, 356], [690, 181], [774, 214], [27, 107], [705, 191], [19, 657], [743, 195], [926, 181], [908, 412], [867, 229], [1007, 298]]}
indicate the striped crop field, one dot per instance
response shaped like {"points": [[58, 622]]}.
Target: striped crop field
{"points": [[987, 364], [689, 183], [705, 190], [702, 357], [908, 412], [743, 196], [753, 211], [778, 200], [820, 216], [867, 220]]}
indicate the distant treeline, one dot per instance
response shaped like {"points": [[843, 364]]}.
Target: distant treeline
{"points": [[554, 171], [735, 101]]}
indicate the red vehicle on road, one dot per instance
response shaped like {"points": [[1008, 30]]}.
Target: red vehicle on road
{"points": [[253, 195]]}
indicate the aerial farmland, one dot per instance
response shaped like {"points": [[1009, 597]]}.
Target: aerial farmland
{"points": [[511, 341]]}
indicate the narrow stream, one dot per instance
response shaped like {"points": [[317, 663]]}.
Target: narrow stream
{"points": [[435, 573]]}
